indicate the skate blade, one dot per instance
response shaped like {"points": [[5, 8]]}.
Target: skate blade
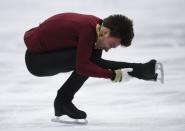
{"points": [[160, 70], [73, 121]]}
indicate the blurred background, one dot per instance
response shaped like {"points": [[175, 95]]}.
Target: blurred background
{"points": [[26, 101]]}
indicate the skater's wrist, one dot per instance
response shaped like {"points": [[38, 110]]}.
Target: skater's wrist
{"points": [[113, 75]]}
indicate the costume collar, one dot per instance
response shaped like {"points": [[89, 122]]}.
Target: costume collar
{"points": [[98, 27]]}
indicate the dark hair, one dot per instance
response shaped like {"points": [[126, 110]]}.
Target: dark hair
{"points": [[121, 27]]}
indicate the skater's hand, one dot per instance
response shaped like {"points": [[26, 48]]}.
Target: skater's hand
{"points": [[121, 74], [117, 75], [125, 75]]}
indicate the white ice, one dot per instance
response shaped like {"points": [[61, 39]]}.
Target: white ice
{"points": [[26, 101]]}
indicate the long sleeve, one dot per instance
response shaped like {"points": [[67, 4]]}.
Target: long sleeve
{"points": [[84, 65]]}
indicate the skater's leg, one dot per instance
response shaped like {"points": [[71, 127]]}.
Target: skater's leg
{"points": [[48, 64], [145, 71], [52, 63], [66, 93], [108, 64], [63, 101]]}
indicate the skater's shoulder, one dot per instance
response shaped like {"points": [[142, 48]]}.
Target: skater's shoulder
{"points": [[81, 18]]}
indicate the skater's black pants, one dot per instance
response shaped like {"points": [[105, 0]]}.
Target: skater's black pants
{"points": [[52, 63]]}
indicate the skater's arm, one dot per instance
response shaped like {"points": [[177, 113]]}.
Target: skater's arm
{"points": [[84, 66]]}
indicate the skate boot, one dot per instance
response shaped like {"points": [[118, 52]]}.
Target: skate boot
{"points": [[69, 109], [148, 71]]}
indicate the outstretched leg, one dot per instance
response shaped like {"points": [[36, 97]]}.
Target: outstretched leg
{"points": [[145, 71]]}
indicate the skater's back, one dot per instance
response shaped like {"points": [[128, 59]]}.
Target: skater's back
{"points": [[63, 31]]}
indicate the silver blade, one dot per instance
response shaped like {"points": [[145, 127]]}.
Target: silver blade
{"points": [[72, 121], [159, 67]]}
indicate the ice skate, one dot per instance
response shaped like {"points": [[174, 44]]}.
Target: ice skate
{"points": [[63, 120], [159, 70], [69, 109], [152, 71]]}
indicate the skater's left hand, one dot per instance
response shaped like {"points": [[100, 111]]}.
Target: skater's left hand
{"points": [[125, 75]]}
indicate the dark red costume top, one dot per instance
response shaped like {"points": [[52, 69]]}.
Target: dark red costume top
{"points": [[68, 30]]}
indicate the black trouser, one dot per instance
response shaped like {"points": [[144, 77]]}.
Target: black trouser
{"points": [[52, 63]]}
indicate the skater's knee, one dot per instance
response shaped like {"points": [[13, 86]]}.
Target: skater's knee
{"points": [[40, 74]]}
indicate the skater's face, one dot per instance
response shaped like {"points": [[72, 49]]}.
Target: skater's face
{"points": [[107, 42], [110, 42]]}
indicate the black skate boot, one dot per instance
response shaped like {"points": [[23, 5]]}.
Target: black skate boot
{"points": [[145, 71], [70, 110]]}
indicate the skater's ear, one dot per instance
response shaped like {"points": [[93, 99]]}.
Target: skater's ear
{"points": [[104, 31]]}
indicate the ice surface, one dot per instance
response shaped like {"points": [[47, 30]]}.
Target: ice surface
{"points": [[26, 101]]}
